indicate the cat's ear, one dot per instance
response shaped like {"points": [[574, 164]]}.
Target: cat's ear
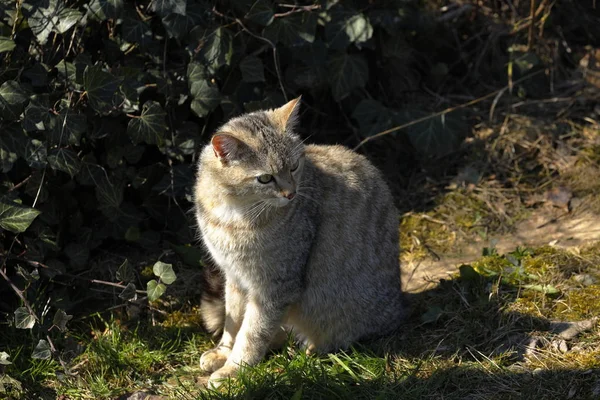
{"points": [[226, 147], [286, 116]]}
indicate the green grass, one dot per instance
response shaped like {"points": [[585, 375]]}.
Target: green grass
{"points": [[465, 338]]}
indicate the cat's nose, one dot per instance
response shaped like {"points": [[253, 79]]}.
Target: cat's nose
{"points": [[289, 195]]}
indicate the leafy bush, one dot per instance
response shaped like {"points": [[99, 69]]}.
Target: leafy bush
{"points": [[104, 103]]}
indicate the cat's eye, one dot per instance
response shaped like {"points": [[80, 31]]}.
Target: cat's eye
{"points": [[295, 165], [264, 178]]}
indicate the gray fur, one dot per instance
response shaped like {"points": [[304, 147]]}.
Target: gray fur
{"points": [[323, 264]]}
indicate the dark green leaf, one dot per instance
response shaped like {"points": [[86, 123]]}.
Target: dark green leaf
{"points": [[252, 69], [136, 31], [68, 127], [217, 48], [23, 319], [42, 351], [125, 272], [347, 72], [155, 290], [261, 12], [149, 127], [196, 72], [191, 255], [100, 87], [166, 7], [205, 97], [36, 154], [60, 320], [434, 137], [46, 16], [6, 44], [64, 160], [294, 30], [13, 144], [347, 27], [12, 100], [78, 255], [106, 9], [129, 292], [110, 197], [67, 71], [37, 115], [176, 182], [164, 272], [66, 19], [177, 25], [38, 75], [15, 217], [468, 273]]}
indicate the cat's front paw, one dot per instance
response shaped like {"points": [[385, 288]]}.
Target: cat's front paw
{"points": [[214, 359], [221, 375]]}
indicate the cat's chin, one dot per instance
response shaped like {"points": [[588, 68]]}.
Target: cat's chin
{"points": [[281, 202]]}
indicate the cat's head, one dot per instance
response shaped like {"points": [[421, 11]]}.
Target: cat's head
{"points": [[260, 157]]}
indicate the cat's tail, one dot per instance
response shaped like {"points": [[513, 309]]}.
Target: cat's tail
{"points": [[212, 304]]}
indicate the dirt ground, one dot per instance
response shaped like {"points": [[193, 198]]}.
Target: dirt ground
{"points": [[554, 227]]}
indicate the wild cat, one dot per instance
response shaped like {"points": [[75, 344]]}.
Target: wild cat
{"points": [[305, 237]]}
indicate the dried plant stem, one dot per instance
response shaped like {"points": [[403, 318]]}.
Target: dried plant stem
{"points": [[443, 112]]}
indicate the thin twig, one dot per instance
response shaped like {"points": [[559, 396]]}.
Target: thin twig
{"points": [[443, 112], [531, 24]]}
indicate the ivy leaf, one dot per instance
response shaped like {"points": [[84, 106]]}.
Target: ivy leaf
{"points": [[436, 136], [106, 9], [217, 48], [12, 99], [125, 272], [38, 75], [100, 87], [42, 351], [347, 72], [64, 160], [46, 16], [4, 358], [252, 69], [196, 72], [13, 144], [67, 70], [164, 272], [60, 320], [293, 30], [205, 97], [36, 154], [129, 292], [6, 44], [23, 319], [166, 7], [37, 116], [136, 31], [110, 197], [347, 27], [78, 255], [68, 128], [155, 290], [177, 25], [66, 19], [261, 12], [149, 127], [15, 217]]}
